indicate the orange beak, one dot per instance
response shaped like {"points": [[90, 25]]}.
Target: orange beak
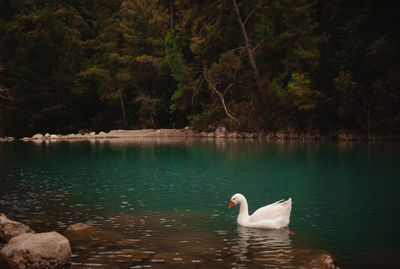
{"points": [[231, 204]]}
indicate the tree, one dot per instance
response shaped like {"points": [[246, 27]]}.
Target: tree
{"points": [[133, 37], [40, 51], [248, 65], [249, 48]]}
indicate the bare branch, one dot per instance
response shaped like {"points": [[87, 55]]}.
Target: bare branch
{"points": [[260, 5], [255, 48], [239, 48], [227, 88], [249, 15], [212, 86]]}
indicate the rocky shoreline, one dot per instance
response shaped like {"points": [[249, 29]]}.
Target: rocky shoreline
{"points": [[219, 132], [21, 247]]}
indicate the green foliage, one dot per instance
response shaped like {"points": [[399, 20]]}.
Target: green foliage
{"points": [[180, 71], [347, 90], [301, 94], [325, 65], [226, 68]]}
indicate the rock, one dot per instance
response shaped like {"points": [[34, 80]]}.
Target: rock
{"points": [[47, 136], [220, 131], [250, 135], [42, 250], [83, 236], [203, 134], [79, 227], [83, 131], [9, 228], [3, 263], [324, 261], [282, 136], [37, 136], [7, 139], [92, 134], [53, 136], [70, 136], [233, 135]]}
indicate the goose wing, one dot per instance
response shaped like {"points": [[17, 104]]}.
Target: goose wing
{"points": [[272, 211]]}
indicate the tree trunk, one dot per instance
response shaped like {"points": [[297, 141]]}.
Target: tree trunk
{"points": [[171, 4], [250, 54], [121, 100]]}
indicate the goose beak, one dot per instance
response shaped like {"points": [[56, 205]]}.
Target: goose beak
{"points": [[231, 204]]}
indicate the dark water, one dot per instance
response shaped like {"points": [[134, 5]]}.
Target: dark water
{"points": [[164, 204]]}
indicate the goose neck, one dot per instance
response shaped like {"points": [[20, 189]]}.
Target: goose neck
{"points": [[244, 208]]}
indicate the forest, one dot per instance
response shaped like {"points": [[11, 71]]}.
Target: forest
{"points": [[249, 65]]}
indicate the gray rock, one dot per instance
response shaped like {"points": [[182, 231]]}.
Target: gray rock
{"points": [[42, 250], [9, 228]]}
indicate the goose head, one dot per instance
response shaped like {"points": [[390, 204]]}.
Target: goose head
{"points": [[236, 199]]}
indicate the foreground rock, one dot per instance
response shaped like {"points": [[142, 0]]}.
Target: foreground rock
{"points": [[42, 250], [79, 227], [9, 228], [324, 261], [84, 236]]}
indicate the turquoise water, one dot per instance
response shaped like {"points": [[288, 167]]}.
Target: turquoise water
{"points": [[345, 197]]}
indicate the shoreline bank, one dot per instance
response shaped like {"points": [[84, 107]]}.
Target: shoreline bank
{"points": [[220, 132]]}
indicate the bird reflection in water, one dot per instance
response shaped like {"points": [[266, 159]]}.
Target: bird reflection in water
{"points": [[263, 248]]}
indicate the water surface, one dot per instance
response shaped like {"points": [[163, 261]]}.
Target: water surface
{"points": [[164, 203]]}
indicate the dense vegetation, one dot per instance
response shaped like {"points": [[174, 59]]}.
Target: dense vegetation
{"points": [[324, 65]]}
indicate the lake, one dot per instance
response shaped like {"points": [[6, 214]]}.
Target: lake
{"points": [[163, 203]]}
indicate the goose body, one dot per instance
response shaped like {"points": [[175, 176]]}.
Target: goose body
{"points": [[272, 216]]}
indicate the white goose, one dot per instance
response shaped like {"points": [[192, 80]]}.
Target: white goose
{"points": [[273, 216]]}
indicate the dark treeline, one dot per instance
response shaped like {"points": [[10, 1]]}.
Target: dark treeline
{"points": [[323, 65]]}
